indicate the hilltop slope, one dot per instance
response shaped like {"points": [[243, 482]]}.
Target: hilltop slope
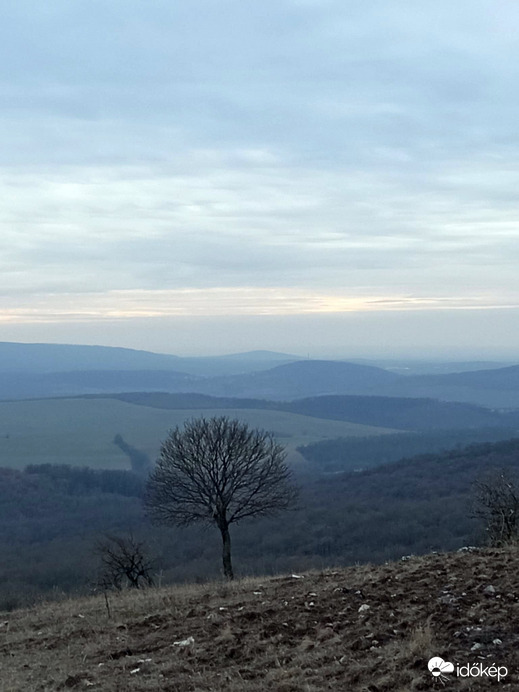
{"points": [[369, 629]]}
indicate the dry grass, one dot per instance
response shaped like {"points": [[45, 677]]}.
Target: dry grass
{"points": [[281, 634]]}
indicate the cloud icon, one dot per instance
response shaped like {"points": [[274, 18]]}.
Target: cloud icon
{"points": [[438, 666]]}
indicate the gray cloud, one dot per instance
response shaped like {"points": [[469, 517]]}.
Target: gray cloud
{"points": [[352, 149]]}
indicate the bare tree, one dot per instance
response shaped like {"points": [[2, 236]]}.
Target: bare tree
{"points": [[218, 471], [496, 501], [124, 563]]}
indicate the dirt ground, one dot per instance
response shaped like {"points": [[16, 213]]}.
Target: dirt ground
{"points": [[365, 628]]}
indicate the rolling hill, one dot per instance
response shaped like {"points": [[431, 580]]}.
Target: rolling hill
{"points": [[494, 378], [493, 388], [81, 431], [55, 358], [402, 412], [52, 358], [496, 387], [72, 383], [45, 370], [301, 379], [393, 412]]}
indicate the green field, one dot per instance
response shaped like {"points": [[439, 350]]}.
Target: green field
{"points": [[80, 432]]}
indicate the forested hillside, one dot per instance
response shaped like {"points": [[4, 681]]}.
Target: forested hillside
{"points": [[51, 518], [356, 454]]}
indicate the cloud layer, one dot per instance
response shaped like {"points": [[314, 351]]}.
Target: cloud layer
{"points": [[276, 158]]}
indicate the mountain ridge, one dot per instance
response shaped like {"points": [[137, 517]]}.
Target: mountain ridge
{"points": [[256, 374]]}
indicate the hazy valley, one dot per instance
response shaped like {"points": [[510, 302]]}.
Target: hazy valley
{"points": [[99, 440]]}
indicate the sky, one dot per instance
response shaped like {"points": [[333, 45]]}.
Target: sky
{"points": [[328, 178]]}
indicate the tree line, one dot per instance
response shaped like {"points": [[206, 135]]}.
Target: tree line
{"points": [[51, 519]]}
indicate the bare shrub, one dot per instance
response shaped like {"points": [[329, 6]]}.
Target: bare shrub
{"points": [[124, 563], [496, 502]]}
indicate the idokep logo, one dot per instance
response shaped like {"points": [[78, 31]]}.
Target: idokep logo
{"points": [[439, 668]]}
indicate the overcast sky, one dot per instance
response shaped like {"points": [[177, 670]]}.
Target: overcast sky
{"points": [[203, 176]]}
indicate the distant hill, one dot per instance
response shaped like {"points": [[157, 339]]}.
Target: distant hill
{"points": [[432, 367], [495, 378], [495, 387], [388, 412], [287, 381], [40, 370], [233, 364], [44, 385], [403, 413], [52, 358], [258, 356], [26, 358], [303, 378]]}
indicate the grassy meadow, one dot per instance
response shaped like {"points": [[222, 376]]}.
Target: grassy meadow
{"points": [[80, 432]]}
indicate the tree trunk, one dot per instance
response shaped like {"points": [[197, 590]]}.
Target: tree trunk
{"points": [[226, 552]]}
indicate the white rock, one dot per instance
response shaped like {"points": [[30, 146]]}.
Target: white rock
{"points": [[185, 642], [363, 608]]}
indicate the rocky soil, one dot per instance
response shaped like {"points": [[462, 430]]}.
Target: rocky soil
{"points": [[369, 629]]}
